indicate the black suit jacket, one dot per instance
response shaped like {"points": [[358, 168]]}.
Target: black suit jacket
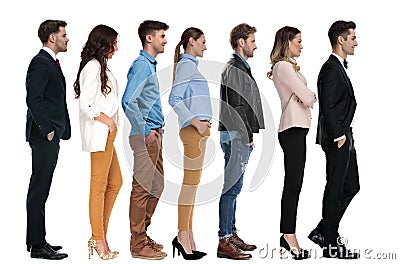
{"points": [[337, 103], [46, 98]]}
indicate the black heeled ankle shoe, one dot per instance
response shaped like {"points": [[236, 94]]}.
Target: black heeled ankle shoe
{"points": [[200, 253], [304, 254], [179, 247]]}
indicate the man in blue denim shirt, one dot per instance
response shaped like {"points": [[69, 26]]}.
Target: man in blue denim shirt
{"points": [[240, 116], [142, 105]]}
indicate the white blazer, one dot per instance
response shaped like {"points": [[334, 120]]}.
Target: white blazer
{"points": [[92, 102]]}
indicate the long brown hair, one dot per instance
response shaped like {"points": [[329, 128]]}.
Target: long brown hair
{"points": [[100, 43], [191, 32], [280, 50]]}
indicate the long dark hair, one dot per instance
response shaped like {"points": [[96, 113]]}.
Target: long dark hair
{"points": [[99, 44], [191, 32]]}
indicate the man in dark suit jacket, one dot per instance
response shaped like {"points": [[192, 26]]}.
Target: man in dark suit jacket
{"points": [[337, 105], [47, 122]]}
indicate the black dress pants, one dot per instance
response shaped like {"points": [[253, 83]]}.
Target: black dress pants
{"points": [[342, 184], [44, 160], [293, 143]]}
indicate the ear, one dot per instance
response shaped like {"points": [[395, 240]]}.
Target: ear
{"points": [[191, 41], [149, 38], [340, 40], [241, 42], [52, 38]]}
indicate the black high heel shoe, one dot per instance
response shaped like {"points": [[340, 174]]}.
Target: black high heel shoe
{"points": [[179, 247], [200, 253], [304, 254]]}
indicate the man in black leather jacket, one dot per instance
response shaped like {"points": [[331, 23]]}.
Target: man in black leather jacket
{"points": [[240, 116]]}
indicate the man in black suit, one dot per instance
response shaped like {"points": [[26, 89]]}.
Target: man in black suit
{"points": [[337, 105], [47, 122]]}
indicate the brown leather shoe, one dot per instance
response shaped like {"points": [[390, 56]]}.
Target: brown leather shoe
{"points": [[227, 249], [148, 252], [241, 244], [154, 243]]}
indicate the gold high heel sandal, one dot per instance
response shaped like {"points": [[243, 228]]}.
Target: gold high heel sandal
{"points": [[92, 244]]}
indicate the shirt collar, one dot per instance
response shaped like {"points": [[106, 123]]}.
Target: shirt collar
{"points": [[190, 57], [244, 61], [148, 56], [339, 58], [52, 54]]}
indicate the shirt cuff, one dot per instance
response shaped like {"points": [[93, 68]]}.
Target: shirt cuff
{"points": [[339, 138]]}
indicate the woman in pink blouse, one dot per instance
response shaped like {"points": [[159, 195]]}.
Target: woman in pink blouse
{"points": [[296, 101]]}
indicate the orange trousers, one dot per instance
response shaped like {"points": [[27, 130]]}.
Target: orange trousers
{"points": [[105, 183], [194, 146]]}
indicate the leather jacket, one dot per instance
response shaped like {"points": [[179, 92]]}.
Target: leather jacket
{"points": [[240, 104]]}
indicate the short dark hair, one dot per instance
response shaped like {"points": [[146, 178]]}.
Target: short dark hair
{"points": [[148, 27], [49, 27], [340, 28], [240, 31]]}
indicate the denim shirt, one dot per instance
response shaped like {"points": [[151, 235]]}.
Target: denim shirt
{"points": [[141, 100], [190, 96], [244, 61]]}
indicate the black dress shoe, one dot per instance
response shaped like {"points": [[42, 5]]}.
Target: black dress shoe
{"points": [[316, 237], [55, 248], [339, 252], [46, 252]]}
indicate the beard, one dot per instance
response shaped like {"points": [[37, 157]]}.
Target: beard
{"points": [[247, 52]]}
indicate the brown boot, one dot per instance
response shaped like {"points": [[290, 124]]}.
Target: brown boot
{"points": [[227, 249], [154, 243], [241, 244], [147, 252]]}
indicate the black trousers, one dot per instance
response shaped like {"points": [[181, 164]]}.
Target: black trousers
{"points": [[44, 160], [293, 143], [342, 184]]}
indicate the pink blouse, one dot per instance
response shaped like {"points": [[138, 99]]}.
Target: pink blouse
{"points": [[296, 98]]}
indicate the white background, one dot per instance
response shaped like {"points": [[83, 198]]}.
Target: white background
{"points": [[372, 218]]}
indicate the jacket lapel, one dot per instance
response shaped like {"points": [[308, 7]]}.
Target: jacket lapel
{"points": [[345, 76]]}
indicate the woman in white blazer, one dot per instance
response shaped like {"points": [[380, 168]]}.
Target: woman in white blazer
{"points": [[296, 101], [97, 91]]}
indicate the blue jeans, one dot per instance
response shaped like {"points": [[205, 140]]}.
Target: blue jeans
{"points": [[236, 157]]}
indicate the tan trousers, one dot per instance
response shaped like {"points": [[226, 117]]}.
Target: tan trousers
{"points": [[105, 183], [147, 186], [194, 146]]}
